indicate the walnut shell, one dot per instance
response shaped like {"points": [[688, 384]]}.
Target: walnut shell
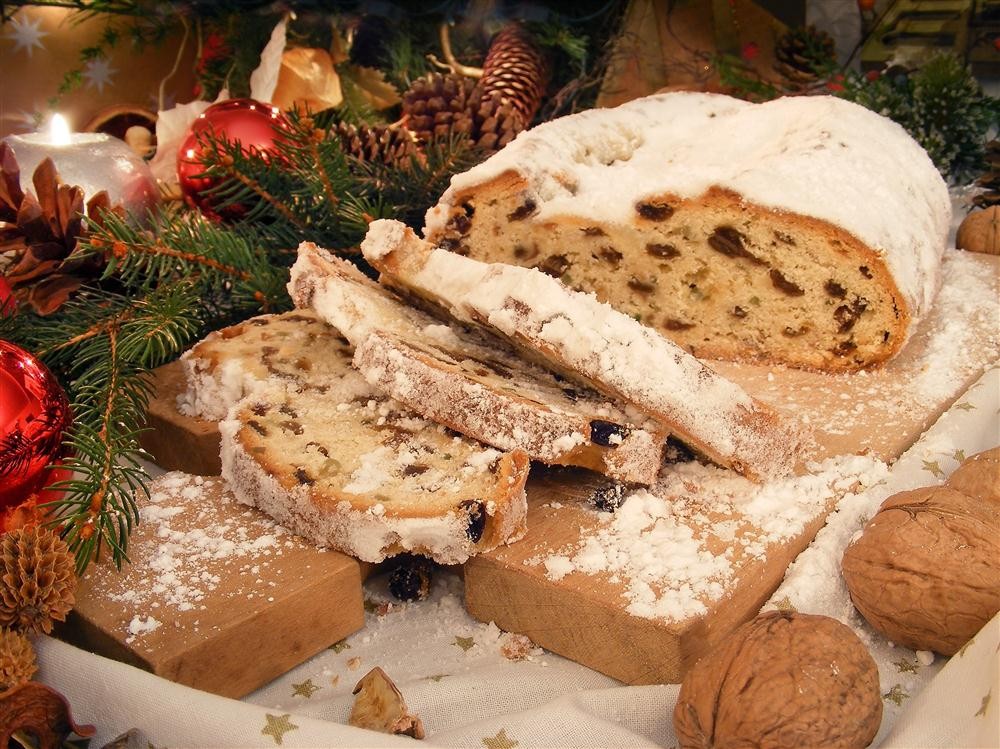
{"points": [[924, 572], [781, 680], [980, 231], [979, 476]]}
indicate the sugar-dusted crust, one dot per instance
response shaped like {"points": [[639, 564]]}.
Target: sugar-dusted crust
{"points": [[473, 382], [608, 349], [805, 230], [296, 348], [366, 477]]}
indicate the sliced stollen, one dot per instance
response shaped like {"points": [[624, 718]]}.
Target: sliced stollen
{"points": [[295, 347], [806, 230], [588, 339], [366, 476], [473, 382]]}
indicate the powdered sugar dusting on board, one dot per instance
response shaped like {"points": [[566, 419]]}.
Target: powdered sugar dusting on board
{"points": [[198, 540], [676, 547], [817, 156]]}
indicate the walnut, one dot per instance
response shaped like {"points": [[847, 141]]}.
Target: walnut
{"points": [[783, 679], [379, 706], [924, 571], [980, 232], [979, 476]]}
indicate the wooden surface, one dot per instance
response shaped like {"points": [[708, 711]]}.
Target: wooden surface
{"points": [[258, 614], [177, 442], [881, 413]]}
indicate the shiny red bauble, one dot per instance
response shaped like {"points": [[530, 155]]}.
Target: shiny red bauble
{"points": [[256, 126], [34, 414]]}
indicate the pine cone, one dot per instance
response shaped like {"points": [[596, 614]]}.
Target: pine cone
{"points": [[37, 579], [990, 179], [437, 105], [495, 123], [42, 230], [517, 69], [17, 659], [803, 54], [385, 145]]}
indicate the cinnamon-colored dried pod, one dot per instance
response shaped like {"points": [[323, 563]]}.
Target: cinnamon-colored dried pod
{"points": [[924, 571], [782, 680], [39, 711], [979, 476]]}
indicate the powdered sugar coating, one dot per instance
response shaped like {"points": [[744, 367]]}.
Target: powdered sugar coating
{"points": [[816, 156], [608, 349], [469, 380]]}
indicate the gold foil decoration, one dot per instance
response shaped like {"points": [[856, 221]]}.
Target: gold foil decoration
{"points": [[307, 80]]}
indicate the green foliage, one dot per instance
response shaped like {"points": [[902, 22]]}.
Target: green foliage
{"points": [[941, 105]]}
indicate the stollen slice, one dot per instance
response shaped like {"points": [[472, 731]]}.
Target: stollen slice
{"points": [[587, 339], [364, 475], [472, 381]]}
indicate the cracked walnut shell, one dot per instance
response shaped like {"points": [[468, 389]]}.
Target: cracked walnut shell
{"points": [[379, 706], [782, 680], [924, 572]]}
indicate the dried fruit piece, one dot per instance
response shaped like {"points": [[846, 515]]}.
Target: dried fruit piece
{"points": [[40, 712], [783, 679], [610, 496], [410, 579], [379, 706], [924, 571]]}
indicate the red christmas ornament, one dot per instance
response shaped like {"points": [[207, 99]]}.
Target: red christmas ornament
{"points": [[257, 127], [34, 413], [866, 5]]}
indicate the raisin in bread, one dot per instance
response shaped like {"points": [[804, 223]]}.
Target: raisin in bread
{"points": [[295, 347], [806, 230], [473, 382], [366, 476], [588, 339]]}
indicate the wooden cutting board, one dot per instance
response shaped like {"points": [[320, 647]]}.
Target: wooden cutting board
{"points": [[550, 586], [216, 596]]}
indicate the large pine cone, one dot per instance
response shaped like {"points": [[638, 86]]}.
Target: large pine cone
{"points": [[384, 145], [803, 54], [495, 123], [41, 231], [37, 579], [517, 69], [437, 105]]}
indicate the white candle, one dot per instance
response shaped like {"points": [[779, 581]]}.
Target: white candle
{"points": [[93, 161]]}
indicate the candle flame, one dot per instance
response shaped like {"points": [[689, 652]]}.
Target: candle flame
{"points": [[59, 130]]}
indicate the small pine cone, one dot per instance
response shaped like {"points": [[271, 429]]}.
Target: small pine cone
{"points": [[495, 123], [37, 579], [410, 579], [517, 69], [17, 659], [386, 145], [802, 53], [437, 105]]}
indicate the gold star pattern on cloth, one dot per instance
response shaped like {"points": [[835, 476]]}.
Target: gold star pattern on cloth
{"points": [[964, 406], [305, 689], [904, 666], [785, 604], [959, 456], [277, 726], [436, 677], [986, 703], [897, 694], [934, 468], [465, 643], [500, 741], [340, 647]]}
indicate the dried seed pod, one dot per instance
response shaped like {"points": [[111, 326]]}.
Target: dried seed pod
{"points": [[379, 706], [782, 680], [924, 571]]}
